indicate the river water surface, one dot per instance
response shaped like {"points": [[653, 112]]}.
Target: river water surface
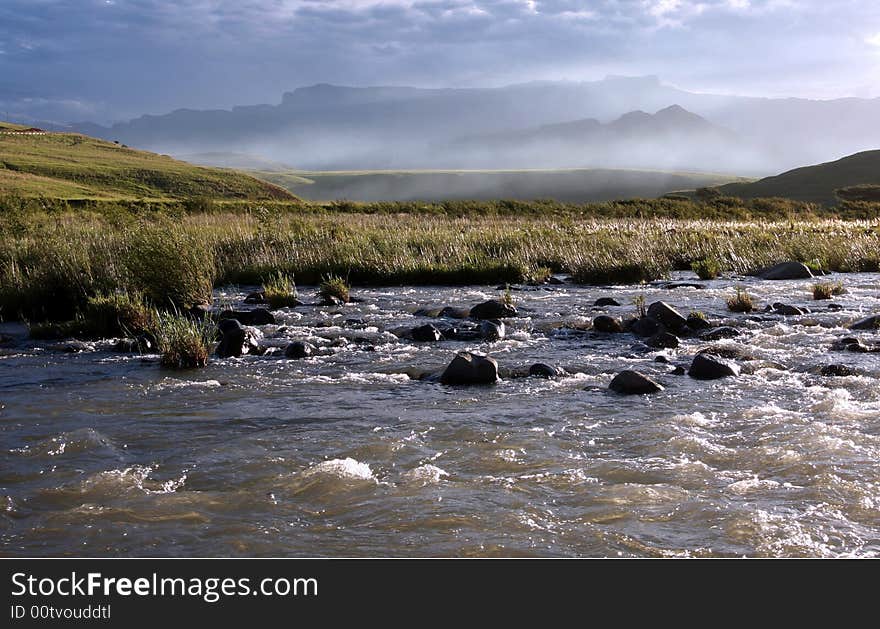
{"points": [[349, 454]]}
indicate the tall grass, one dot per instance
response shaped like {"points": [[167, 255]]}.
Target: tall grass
{"points": [[184, 342], [280, 291], [51, 264]]}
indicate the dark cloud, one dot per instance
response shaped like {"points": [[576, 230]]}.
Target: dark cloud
{"points": [[107, 59]]}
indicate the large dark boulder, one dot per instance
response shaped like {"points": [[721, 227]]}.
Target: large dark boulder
{"points": [[493, 309], [785, 271], [668, 316], [708, 367], [633, 383], [257, 316], [469, 368], [426, 334], [605, 323], [868, 323], [299, 349]]}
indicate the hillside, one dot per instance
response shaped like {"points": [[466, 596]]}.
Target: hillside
{"points": [[574, 185], [816, 184], [73, 166]]}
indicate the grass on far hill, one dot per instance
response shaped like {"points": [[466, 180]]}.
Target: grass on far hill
{"points": [[73, 166]]}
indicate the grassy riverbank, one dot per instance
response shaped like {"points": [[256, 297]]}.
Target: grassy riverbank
{"points": [[52, 262]]}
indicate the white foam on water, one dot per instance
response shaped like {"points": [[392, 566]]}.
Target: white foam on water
{"points": [[752, 484], [173, 383], [427, 474], [346, 468]]}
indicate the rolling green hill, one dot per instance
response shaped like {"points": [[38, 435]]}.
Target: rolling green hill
{"points": [[815, 184], [571, 185], [72, 166]]}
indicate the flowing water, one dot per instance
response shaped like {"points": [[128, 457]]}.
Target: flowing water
{"points": [[348, 453]]}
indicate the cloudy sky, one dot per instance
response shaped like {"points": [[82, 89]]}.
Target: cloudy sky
{"points": [[114, 59]]}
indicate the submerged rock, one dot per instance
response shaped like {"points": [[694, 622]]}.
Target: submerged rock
{"points": [[837, 371], [789, 311], [603, 302], [633, 383], [543, 370], [708, 367], [785, 271], [299, 349], [732, 352], [608, 324], [493, 309], [868, 323], [724, 332], [455, 313], [470, 368], [257, 297]]}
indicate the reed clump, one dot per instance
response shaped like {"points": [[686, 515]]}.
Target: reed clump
{"points": [[184, 342], [280, 291], [827, 290], [741, 301]]}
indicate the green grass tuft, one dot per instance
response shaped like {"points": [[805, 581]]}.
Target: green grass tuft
{"points": [[741, 302], [184, 342], [332, 287], [280, 291]]}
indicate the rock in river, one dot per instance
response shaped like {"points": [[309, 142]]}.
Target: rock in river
{"points": [[492, 330], [724, 332], [708, 367], [663, 340], [605, 323], [299, 349], [785, 271], [868, 323], [469, 368], [426, 334], [543, 370], [606, 301], [633, 383], [667, 315], [493, 309], [257, 316], [235, 339]]}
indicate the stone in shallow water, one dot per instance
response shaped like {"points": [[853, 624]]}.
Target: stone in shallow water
{"points": [[606, 301], [785, 271], [426, 334], [470, 368], [663, 340], [838, 371], [605, 323], [668, 316], [543, 370], [493, 309], [708, 367], [868, 323], [492, 330], [257, 316], [724, 332], [299, 349], [633, 383]]}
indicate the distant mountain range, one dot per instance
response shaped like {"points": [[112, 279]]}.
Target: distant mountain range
{"points": [[332, 127]]}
